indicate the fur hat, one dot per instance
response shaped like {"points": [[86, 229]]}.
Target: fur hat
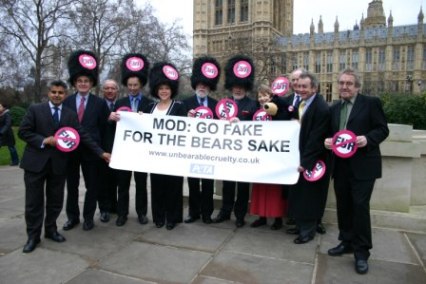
{"points": [[206, 70], [83, 63], [163, 73], [239, 71], [134, 65]]}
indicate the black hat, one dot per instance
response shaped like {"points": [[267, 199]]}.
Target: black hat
{"points": [[163, 73], [83, 63], [206, 70], [239, 71], [134, 65]]}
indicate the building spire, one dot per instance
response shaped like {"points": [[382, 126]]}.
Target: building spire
{"points": [[336, 25], [420, 17]]}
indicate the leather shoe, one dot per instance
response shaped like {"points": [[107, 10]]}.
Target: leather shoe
{"points": [[278, 224], [207, 220], [302, 240], [293, 231], [220, 218], [321, 229], [142, 219], [55, 236], [121, 220], [259, 222], [290, 222], [159, 224], [88, 225], [104, 216], [361, 266], [30, 245], [170, 226], [191, 219], [240, 223], [70, 224], [342, 248]]}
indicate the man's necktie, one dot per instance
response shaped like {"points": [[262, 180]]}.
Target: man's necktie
{"points": [[202, 101], [80, 111], [111, 106], [134, 104], [297, 102], [301, 108], [343, 114], [56, 116]]}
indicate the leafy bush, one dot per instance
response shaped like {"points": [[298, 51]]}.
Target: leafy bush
{"points": [[405, 109], [17, 113]]}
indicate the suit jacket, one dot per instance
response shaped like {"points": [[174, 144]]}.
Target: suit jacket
{"points": [[192, 103], [94, 121], [177, 108], [38, 124], [366, 118], [246, 108]]}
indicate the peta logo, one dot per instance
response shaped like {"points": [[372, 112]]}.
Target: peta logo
{"points": [[202, 169]]}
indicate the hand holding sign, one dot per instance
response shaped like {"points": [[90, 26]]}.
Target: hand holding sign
{"points": [[67, 139], [226, 109], [203, 112], [261, 115], [344, 144], [317, 172]]}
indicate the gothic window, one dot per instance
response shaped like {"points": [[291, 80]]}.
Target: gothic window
{"points": [[231, 11], [244, 8], [355, 59], [382, 59], [306, 60], [368, 60], [396, 58], [329, 61], [318, 62], [410, 58], [342, 60], [424, 57], [218, 12]]}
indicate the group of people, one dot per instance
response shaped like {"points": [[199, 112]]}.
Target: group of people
{"points": [[95, 120]]}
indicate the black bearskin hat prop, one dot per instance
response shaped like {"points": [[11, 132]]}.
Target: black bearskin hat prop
{"points": [[239, 71], [163, 73], [134, 65], [83, 63], [206, 70]]}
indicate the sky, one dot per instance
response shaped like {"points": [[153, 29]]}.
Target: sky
{"points": [[404, 12]]}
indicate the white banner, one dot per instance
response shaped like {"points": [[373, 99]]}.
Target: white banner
{"points": [[250, 151]]}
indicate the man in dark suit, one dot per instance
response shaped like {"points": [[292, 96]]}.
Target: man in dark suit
{"points": [[239, 84], [354, 177], [45, 165], [204, 78], [307, 198], [107, 194], [92, 113], [134, 75]]}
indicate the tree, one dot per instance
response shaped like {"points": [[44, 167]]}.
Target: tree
{"points": [[31, 24]]}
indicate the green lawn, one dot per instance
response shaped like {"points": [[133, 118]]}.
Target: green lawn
{"points": [[4, 152]]}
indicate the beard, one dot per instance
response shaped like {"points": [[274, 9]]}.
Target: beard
{"points": [[202, 94]]}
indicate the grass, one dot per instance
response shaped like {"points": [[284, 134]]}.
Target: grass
{"points": [[4, 151]]}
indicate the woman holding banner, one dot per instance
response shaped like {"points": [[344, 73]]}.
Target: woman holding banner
{"points": [[166, 190]]}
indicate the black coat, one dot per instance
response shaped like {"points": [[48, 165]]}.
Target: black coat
{"points": [[6, 133], [192, 103]]}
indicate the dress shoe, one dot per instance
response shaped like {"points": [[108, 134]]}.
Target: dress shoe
{"points": [[70, 224], [191, 219], [321, 229], [55, 236], [277, 225], [30, 245], [290, 222], [342, 248], [302, 240], [240, 223], [159, 224], [142, 219], [293, 231], [220, 218], [207, 220], [104, 216], [170, 226], [259, 222], [361, 266], [121, 220], [88, 225]]}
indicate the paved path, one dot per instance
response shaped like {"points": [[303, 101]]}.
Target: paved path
{"points": [[192, 253]]}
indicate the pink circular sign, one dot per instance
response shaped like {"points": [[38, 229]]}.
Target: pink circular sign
{"points": [[87, 61], [170, 72], [344, 144], [226, 108], [316, 173], [280, 86], [135, 64], [261, 115], [124, 108], [209, 70], [242, 69], [67, 139], [203, 112]]}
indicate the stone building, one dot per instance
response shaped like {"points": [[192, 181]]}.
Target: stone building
{"points": [[389, 58]]}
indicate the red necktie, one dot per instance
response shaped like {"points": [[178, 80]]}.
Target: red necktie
{"points": [[80, 110]]}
